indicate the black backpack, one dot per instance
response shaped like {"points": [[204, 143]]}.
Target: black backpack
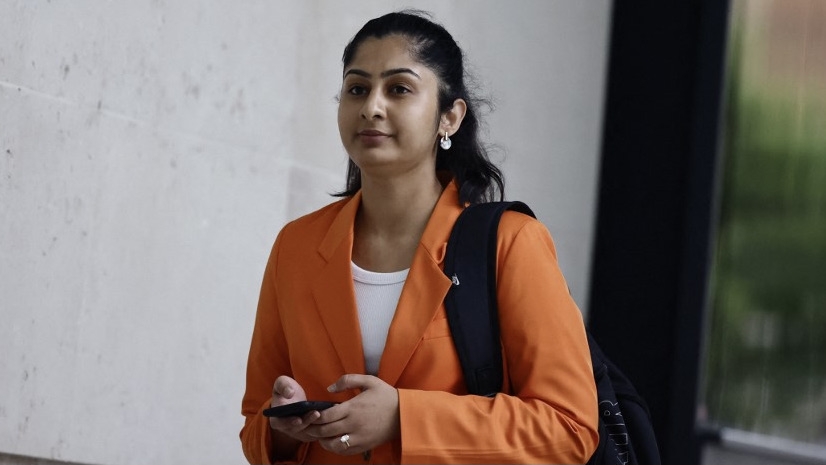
{"points": [[626, 435]]}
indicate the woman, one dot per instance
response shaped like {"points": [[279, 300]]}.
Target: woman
{"points": [[351, 307]]}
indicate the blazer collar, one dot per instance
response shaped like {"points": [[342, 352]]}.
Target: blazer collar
{"points": [[333, 290], [434, 238], [422, 296], [436, 233], [425, 288], [341, 228]]}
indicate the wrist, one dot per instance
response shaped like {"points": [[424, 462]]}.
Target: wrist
{"points": [[283, 448]]}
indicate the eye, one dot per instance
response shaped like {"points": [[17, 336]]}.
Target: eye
{"points": [[399, 89], [356, 90]]}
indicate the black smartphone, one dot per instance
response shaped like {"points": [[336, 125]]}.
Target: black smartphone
{"points": [[297, 409]]}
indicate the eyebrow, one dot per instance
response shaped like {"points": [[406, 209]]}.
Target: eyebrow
{"points": [[384, 74]]}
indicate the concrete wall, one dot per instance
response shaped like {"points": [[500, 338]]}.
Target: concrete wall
{"points": [[149, 153]]}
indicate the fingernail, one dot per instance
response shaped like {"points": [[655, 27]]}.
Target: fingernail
{"points": [[331, 388]]}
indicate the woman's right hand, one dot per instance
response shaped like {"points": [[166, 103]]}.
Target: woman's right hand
{"points": [[286, 390]]}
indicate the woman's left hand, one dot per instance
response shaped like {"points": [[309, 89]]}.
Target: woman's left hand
{"points": [[365, 421]]}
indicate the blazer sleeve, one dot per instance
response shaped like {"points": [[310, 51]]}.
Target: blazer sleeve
{"points": [[549, 414], [268, 357]]}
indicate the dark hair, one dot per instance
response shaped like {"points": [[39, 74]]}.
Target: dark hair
{"points": [[477, 177]]}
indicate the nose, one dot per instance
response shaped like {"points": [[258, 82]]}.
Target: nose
{"points": [[374, 105]]}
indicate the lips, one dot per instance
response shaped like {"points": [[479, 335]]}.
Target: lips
{"points": [[372, 133], [372, 137]]}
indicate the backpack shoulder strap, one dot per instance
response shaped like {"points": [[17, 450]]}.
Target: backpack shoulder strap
{"points": [[472, 313]]}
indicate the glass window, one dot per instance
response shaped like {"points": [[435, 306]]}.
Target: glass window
{"points": [[765, 370]]}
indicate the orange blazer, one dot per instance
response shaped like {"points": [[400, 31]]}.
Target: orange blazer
{"points": [[307, 327]]}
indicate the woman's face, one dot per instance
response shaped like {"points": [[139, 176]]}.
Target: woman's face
{"points": [[388, 109]]}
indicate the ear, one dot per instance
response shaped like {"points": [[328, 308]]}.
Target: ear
{"points": [[451, 120]]}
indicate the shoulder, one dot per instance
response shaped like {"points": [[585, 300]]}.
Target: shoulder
{"points": [[520, 229], [515, 223], [308, 231], [316, 221]]}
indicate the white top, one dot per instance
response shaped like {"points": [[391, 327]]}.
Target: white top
{"points": [[377, 295]]}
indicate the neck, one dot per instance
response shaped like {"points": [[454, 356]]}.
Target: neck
{"points": [[395, 208], [391, 220]]}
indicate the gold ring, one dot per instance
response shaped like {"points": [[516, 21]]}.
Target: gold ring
{"points": [[345, 439]]}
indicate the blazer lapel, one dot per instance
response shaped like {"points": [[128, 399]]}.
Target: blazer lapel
{"points": [[423, 292], [422, 296], [333, 290]]}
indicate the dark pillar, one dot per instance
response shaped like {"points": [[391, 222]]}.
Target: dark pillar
{"points": [[656, 204]]}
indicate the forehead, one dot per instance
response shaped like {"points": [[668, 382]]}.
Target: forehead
{"points": [[375, 55]]}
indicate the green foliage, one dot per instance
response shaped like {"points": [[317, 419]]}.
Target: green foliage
{"points": [[766, 366]]}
